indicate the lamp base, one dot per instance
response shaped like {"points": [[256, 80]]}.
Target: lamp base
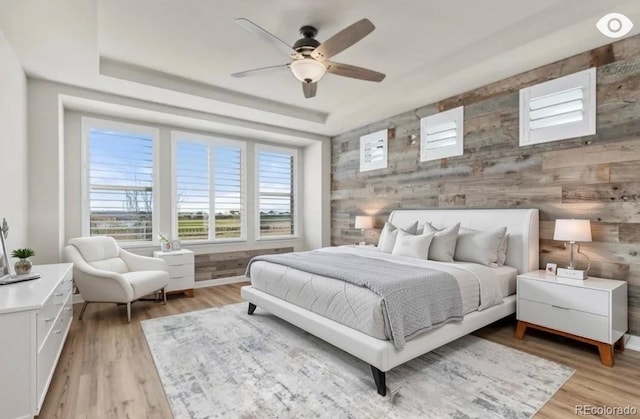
{"points": [[571, 273]]}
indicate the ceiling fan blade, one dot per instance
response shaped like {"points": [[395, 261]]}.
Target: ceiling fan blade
{"points": [[343, 39], [258, 70], [309, 89], [268, 37], [354, 72]]}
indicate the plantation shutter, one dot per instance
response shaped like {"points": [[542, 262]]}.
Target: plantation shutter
{"points": [[228, 202], [209, 194], [192, 190], [373, 151], [441, 135], [558, 109], [276, 199], [120, 177]]}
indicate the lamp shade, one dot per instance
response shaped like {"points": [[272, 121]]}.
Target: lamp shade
{"points": [[572, 230], [364, 221], [308, 70]]}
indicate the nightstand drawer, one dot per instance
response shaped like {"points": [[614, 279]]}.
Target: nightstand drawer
{"points": [[176, 271], [566, 296], [578, 323], [178, 258], [181, 283]]}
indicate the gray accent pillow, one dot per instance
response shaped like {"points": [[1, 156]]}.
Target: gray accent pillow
{"points": [[502, 250], [411, 245], [443, 246], [479, 246], [389, 235]]}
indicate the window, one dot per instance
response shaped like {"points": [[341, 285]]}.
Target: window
{"points": [[441, 135], [373, 151], [209, 188], [276, 190], [559, 109], [120, 182]]}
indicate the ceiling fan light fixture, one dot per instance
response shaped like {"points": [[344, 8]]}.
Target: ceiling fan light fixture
{"points": [[308, 70]]}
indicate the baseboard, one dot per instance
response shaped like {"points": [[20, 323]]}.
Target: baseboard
{"points": [[77, 298], [632, 342], [220, 281]]}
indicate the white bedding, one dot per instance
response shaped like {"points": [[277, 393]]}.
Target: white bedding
{"points": [[360, 308]]}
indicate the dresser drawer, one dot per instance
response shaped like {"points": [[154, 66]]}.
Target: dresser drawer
{"points": [[48, 354], [565, 296], [46, 317], [179, 259], [575, 322]]}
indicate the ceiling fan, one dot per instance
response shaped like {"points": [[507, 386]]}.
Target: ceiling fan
{"points": [[310, 57]]}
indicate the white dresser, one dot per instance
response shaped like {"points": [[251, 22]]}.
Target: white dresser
{"points": [[593, 310], [35, 317], [181, 269]]}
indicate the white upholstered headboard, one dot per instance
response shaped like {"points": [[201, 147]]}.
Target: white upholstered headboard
{"points": [[522, 226]]}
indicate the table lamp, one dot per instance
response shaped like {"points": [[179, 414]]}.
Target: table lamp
{"points": [[572, 231], [363, 222]]}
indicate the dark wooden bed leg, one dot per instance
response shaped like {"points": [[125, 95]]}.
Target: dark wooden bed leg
{"points": [[380, 378], [252, 308]]}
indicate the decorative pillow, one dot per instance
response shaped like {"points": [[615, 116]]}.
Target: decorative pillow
{"points": [[479, 246], [502, 250], [389, 234], [415, 246], [443, 245]]}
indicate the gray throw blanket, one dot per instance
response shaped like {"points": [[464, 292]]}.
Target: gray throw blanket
{"points": [[415, 299]]}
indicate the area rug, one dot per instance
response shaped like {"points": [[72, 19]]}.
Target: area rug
{"points": [[222, 362]]}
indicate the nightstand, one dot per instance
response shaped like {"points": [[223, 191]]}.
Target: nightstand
{"points": [[181, 270], [593, 310]]}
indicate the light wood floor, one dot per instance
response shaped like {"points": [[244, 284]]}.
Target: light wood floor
{"points": [[106, 370]]}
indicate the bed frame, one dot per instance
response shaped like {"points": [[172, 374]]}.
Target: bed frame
{"points": [[381, 355]]}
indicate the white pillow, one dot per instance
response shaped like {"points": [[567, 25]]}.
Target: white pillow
{"points": [[479, 246], [389, 234], [443, 245], [502, 250], [415, 246]]}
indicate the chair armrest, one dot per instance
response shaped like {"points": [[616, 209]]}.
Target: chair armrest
{"points": [[95, 284], [143, 263]]}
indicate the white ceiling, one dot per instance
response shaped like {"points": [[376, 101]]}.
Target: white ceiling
{"points": [[429, 50]]}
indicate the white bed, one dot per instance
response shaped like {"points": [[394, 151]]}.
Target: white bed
{"points": [[522, 254]]}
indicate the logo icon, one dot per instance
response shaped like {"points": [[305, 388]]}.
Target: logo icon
{"points": [[614, 25]]}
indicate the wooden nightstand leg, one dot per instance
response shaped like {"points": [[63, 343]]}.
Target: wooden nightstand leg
{"points": [[521, 329], [619, 345], [606, 354]]}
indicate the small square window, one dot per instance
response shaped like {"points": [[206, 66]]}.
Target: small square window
{"points": [[373, 151], [558, 109], [441, 135]]}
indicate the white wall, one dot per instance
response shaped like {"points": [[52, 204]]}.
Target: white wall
{"points": [[13, 148], [316, 172], [56, 164]]}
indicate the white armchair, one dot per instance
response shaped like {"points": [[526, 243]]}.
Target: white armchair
{"points": [[105, 273]]}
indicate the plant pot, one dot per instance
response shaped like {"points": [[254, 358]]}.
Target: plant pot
{"points": [[23, 266]]}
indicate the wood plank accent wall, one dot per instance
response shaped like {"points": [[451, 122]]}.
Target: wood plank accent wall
{"points": [[595, 177], [227, 264]]}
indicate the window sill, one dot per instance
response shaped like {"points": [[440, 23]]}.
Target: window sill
{"points": [[278, 238]]}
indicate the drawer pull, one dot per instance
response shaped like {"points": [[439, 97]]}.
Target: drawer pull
{"points": [[68, 308], [57, 332], [49, 320], [561, 308], [60, 294]]}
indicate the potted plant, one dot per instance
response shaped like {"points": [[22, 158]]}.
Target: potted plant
{"points": [[23, 266]]}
